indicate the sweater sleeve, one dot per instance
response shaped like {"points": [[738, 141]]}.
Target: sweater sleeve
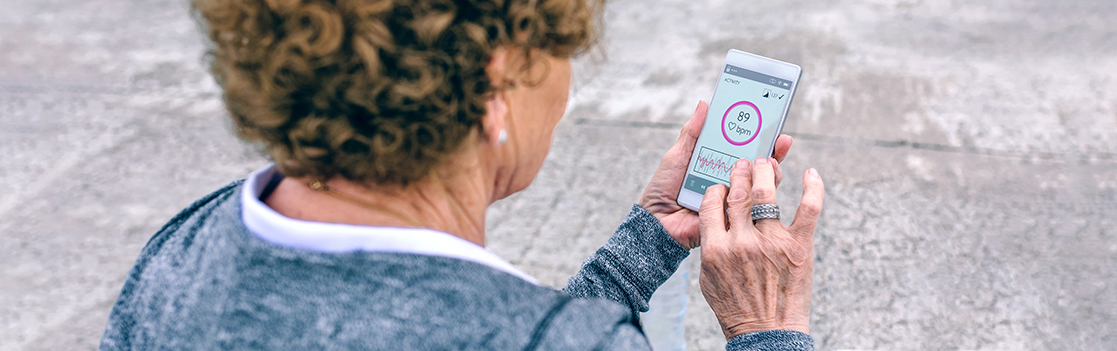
{"points": [[636, 260], [771, 340], [627, 337]]}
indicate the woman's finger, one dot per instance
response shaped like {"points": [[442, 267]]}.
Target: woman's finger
{"points": [[740, 195], [783, 145], [779, 152], [689, 135], [779, 173], [810, 206], [764, 189], [711, 215]]}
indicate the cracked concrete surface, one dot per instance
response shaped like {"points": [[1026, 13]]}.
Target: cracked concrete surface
{"points": [[969, 150]]}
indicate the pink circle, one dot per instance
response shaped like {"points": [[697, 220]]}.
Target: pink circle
{"points": [[758, 122]]}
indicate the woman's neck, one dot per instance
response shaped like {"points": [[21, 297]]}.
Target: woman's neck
{"points": [[452, 202]]}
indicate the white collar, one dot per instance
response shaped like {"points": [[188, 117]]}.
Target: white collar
{"points": [[333, 237]]}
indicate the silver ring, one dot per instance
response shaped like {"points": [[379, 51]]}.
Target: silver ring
{"points": [[765, 211]]}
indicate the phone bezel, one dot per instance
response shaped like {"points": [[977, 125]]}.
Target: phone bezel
{"points": [[759, 64]]}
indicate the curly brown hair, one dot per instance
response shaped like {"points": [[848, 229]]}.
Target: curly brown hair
{"points": [[377, 91]]}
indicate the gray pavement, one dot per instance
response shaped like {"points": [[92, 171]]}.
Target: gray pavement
{"points": [[969, 150]]}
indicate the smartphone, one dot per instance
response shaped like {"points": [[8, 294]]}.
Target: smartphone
{"points": [[746, 114]]}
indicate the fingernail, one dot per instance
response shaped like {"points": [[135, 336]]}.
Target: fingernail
{"points": [[761, 160], [742, 163], [812, 172]]}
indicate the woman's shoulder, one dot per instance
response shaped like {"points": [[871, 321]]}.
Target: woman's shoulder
{"points": [[410, 301], [202, 208], [204, 279], [215, 208]]}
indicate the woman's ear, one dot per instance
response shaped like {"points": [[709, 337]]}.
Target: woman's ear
{"points": [[496, 112], [497, 67], [496, 107]]}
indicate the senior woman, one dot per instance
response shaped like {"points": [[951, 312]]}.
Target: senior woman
{"points": [[393, 125]]}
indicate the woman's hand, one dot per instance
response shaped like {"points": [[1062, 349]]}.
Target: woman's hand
{"points": [[757, 276], [659, 196]]}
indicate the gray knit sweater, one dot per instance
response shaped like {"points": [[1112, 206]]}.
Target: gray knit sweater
{"points": [[203, 282]]}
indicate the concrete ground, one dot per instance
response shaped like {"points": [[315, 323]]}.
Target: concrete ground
{"points": [[969, 151]]}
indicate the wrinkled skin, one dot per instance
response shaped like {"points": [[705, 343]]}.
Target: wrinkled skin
{"points": [[660, 194], [755, 276]]}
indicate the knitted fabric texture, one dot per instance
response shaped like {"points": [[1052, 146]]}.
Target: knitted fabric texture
{"points": [[203, 282]]}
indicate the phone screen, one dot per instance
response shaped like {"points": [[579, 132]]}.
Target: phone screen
{"points": [[745, 115]]}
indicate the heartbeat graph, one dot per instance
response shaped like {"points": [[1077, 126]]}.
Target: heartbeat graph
{"points": [[714, 164]]}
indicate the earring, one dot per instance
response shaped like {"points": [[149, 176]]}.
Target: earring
{"points": [[502, 137]]}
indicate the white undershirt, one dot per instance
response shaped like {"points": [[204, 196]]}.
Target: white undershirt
{"points": [[333, 237]]}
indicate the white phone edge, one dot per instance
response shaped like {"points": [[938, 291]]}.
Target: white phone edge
{"points": [[755, 63]]}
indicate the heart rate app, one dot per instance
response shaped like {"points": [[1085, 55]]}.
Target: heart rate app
{"points": [[742, 121]]}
